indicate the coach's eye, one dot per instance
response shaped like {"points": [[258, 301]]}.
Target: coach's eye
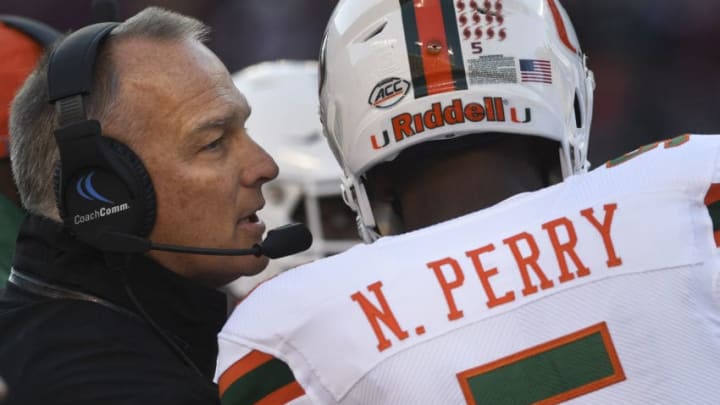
{"points": [[216, 144]]}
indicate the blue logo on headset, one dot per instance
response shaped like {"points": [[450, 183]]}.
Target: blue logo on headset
{"points": [[86, 190]]}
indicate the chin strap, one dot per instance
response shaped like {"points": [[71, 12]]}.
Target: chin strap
{"points": [[355, 196], [368, 235]]}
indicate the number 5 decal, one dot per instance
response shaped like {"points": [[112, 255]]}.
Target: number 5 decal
{"points": [[550, 373]]}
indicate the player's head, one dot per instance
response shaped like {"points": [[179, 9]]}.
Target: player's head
{"points": [[446, 77], [284, 120]]}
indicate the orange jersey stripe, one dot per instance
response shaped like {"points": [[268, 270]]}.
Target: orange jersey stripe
{"points": [[283, 395], [713, 194], [250, 362], [431, 30]]}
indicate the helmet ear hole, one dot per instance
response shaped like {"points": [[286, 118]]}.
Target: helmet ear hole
{"points": [[578, 112]]}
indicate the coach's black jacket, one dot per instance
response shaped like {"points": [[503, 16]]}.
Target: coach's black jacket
{"points": [[58, 347]]}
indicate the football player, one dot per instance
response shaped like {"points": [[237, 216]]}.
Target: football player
{"points": [[285, 121], [602, 288]]}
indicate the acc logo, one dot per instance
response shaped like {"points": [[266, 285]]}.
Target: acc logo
{"points": [[388, 92]]}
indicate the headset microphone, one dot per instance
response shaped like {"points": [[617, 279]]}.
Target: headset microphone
{"points": [[280, 242], [286, 240]]}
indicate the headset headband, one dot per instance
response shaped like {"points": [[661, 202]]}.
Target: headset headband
{"points": [[70, 71]]}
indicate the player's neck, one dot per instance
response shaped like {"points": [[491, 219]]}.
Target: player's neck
{"points": [[466, 184]]}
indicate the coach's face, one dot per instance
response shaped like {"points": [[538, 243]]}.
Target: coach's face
{"points": [[186, 120]]}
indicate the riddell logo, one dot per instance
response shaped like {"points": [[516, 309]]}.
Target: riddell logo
{"points": [[406, 125]]}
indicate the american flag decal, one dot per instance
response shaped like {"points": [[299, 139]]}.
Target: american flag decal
{"points": [[535, 71]]}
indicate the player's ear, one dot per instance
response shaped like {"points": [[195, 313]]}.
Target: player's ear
{"points": [[546, 152], [380, 183]]}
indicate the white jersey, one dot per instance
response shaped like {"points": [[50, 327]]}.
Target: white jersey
{"points": [[603, 289]]}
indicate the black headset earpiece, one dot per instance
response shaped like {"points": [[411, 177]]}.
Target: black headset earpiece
{"points": [[102, 186], [143, 179], [41, 33]]}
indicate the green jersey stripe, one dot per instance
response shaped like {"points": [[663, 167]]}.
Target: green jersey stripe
{"points": [[258, 383]]}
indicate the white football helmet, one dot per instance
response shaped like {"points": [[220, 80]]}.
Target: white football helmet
{"points": [[285, 122], [398, 73]]}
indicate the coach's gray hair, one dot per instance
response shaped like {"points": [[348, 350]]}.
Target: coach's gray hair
{"points": [[33, 151]]}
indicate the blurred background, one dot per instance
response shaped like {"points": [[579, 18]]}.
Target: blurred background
{"points": [[656, 62]]}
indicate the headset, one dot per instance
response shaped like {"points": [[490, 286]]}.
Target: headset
{"points": [[101, 185], [104, 193], [41, 33]]}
